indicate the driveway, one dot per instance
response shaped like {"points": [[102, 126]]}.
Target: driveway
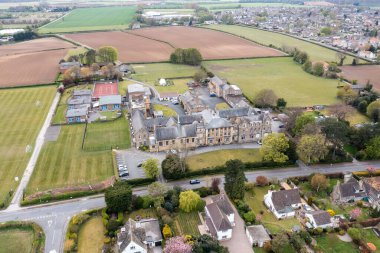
{"points": [[239, 242], [177, 108], [204, 95]]}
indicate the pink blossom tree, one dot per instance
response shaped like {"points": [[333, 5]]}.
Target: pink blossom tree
{"points": [[356, 213], [371, 170], [177, 245]]}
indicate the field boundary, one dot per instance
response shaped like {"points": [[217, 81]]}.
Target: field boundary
{"points": [[27, 86], [146, 37]]}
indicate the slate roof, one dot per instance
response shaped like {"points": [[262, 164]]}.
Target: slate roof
{"points": [[321, 217], [136, 88], [216, 80], [223, 203], [191, 101], [285, 198], [349, 188], [138, 121], [158, 122], [76, 112], [189, 119], [218, 123], [173, 132], [234, 112], [131, 233], [79, 100], [84, 92], [218, 218], [258, 233], [110, 100]]}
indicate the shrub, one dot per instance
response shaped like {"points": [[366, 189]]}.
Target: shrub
{"points": [[249, 186], [342, 232], [249, 217], [261, 181], [204, 191], [331, 212], [267, 246], [112, 225], [166, 231], [168, 206], [166, 219]]}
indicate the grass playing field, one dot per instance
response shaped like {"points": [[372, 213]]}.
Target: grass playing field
{"points": [[63, 163], [87, 19], [282, 75], [220, 157], [180, 86], [16, 241], [106, 135], [23, 112], [91, 236], [316, 53]]}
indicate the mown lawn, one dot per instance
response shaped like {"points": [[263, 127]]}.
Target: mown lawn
{"points": [[91, 236], [180, 86], [282, 75], [153, 72], [142, 213], [222, 106], [316, 52], [87, 19], [63, 163], [108, 135], [330, 243], [16, 241], [168, 112], [187, 223], [22, 114], [370, 236], [256, 201], [220, 157]]}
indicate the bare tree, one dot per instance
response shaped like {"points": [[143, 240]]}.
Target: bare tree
{"points": [[341, 57], [341, 111]]}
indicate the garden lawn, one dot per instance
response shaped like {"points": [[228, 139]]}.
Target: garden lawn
{"points": [[153, 72], [16, 241], [87, 19], [168, 112], [285, 77], [315, 52], [63, 163], [180, 86], [108, 135], [256, 202], [91, 236], [330, 243], [187, 223], [75, 51], [22, 114], [220, 157], [370, 236], [222, 106], [142, 213]]}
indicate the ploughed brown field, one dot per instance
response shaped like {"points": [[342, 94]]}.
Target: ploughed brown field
{"points": [[363, 74], [156, 44], [131, 48], [31, 62]]}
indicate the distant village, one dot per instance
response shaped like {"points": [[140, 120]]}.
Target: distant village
{"points": [[352, 29]]}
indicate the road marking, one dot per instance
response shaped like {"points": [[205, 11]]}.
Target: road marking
{"points": [[53, 251], [49, 223]]}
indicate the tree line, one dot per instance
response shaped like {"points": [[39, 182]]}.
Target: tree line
{"points": [[189, 56]]}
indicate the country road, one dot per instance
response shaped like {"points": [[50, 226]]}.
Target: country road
{"points": [[54, 217]]}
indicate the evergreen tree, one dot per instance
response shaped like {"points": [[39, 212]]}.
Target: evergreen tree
{"points": [[234, 179]]}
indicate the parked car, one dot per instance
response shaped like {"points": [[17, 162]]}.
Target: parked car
{"points": [[175, 102], [281, 126], [124, 174], [307, 207], [212, 95], [195, 181], [140, 164]]}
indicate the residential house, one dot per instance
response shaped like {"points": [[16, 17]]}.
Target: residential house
{"points": [[283, 203], [140, 133], [110, 103], [63, 66], [217, 85], [350, 190], [219, 221], [367, 54], [257, 235], [191, 103], [77, 115], [372, 188], [319, 219], [139, 236], [168, 96]]}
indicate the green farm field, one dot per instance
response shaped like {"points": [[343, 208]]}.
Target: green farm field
{"points": [[63, 163], [106, 135], [316, 53], [282, 75], [91, 236], [23, 112], [16, 240], [87, 19], [154, 71]]}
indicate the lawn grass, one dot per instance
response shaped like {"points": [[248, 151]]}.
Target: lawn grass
{"points": [[87, 19], [151, 73], [75, 51], [282, 75], [142, 213], [220, 157], [256, 201], [180, 86], [330, 243], [91, 236], [222, 106], [16, 240], [316, 52], [22, 114], [63, 163], [370, 236], [187, 223], [107, 135], [168, 112]]}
